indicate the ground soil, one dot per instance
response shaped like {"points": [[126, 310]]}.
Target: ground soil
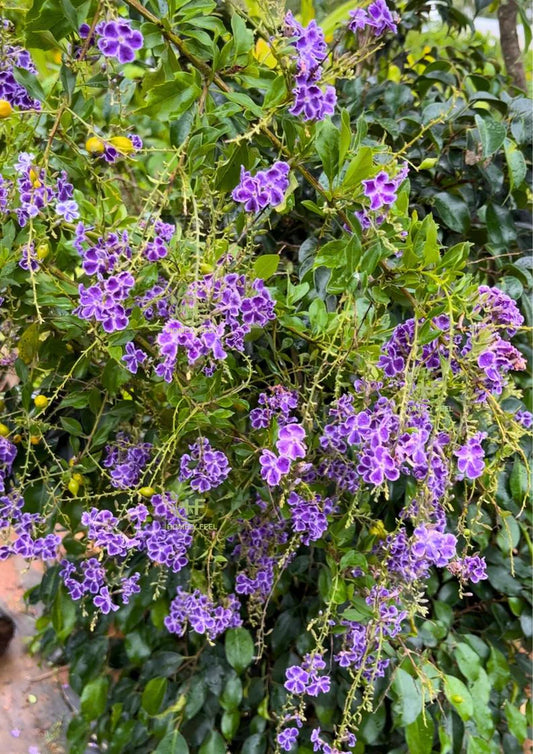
{"points": [[33, 697]]}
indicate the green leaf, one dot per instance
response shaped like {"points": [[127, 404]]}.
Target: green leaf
{"points": [[72, 426], [498, 669], [172, 743], [232, 694], [419, 735], [173, 98], [327, 146], [477, 745], [359, 168], [93, 698], [266, 265], [409, 696], [516, 721], [500, 226], [213, 744], [516, 164], [519, 482], [318, 315], [459, 696], [468, 661], [240, 648], [492, 134], [153, 695], [64, 615], [229, 723], [453, 211]]}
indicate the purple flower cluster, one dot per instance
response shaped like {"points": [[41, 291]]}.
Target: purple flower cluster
{"points": [[385, 604], [376, 16], [500, 309], [310, 100], [34, 195], [382, 448], [105, 300], [204, 467], [470, 568], [259, 540], [470, 457], [115, 39], [16, 94], [265, 188], [309, 517], [8, 453], [223, 311], [90, 579], [28, 544], [306, 679], [164, 535], [321, 745], [291, 446], [202, 614], [126, 461], [278, 405], [495, 362], [357, 651]]}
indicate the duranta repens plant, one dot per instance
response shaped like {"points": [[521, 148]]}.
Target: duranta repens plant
{"points": [[265, 418]]}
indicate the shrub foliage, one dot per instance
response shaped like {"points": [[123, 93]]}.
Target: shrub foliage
{"points": [[264, 398]]}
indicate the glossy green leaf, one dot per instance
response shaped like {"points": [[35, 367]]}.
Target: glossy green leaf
{"points": [[239, 648]]}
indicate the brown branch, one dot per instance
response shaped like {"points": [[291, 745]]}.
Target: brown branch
{"points": [[507, 15]]}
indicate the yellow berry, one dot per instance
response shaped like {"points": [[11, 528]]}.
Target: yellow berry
{"points": [[34, 178], [72, 461], [5, 108], [17, 438], [147, 491], [94, 145], [35, 439], [378, 530], [40, 401], [122, 144], [73, 486], [42, 250], [78, 477], [4, 431]]}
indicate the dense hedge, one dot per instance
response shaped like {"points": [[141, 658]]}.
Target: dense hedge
{"points": [[266, 410]]}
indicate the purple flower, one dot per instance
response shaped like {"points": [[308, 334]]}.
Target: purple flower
{"points": [[103, 601], [290, 442], [381, 190], [119, 40], [312, 102], [287, 738], [525, 418], [133, 357], [273, 468], [433, 546], [470, 457], [68, 209], [380, 18], [296, 680]]}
